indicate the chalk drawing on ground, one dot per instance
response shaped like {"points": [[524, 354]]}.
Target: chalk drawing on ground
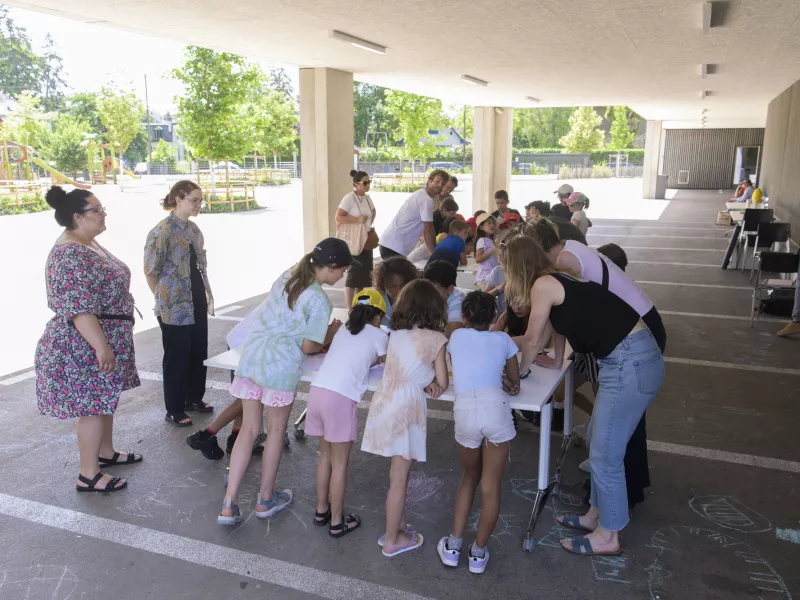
{"points": [[729, 513], [54, 582], [507, 525]]}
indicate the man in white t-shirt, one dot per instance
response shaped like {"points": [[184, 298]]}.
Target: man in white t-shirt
{"points": [[414, 218]]}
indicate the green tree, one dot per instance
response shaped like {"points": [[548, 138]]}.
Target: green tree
{"points": [[121, 113], [65, 144], [52, 76], [138, 149], [20, 68], [83, 106], [164, 152], [621, 135], [584, 135], [27, 121], [415, 116], [280, 82], [370, 115], [273, 119], [216, 87], [540, 127]]}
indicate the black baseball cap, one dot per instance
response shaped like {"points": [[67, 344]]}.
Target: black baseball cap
{"points": [[333, 252]]}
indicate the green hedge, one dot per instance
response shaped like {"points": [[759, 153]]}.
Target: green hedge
{"points": [[226, 207], [9, 206]]}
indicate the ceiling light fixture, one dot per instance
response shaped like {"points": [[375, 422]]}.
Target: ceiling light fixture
{"points": [[358, 42], [532, 99], [703, 94], [707, 9], [703, 71], [475, 80]]}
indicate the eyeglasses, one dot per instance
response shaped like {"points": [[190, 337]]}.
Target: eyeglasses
{"points": [[367, 182], [195, 201], [100, 210]]}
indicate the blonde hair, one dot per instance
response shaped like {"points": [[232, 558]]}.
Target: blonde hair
{"points": [[524, 261], [303, 275]]}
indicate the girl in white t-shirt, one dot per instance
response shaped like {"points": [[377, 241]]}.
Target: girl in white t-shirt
{"points": [[332, 402], [485, 249], [483, 422]]}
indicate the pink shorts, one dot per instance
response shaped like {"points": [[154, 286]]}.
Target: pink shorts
{"points": [[331, 416], [247, 389]]}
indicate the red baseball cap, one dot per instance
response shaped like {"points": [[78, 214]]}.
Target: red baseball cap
{"points": [[510, 217]]}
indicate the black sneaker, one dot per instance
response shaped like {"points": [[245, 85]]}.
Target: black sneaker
{"points": [[258, 446], [211, 449], [197, 439]]}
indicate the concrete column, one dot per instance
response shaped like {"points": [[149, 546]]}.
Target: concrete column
{"points": [[653, 158], [491, 155], [326, 145]]}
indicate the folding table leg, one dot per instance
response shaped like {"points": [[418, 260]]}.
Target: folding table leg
{"points": [[544, 474], [299, 432], [566, 443]]}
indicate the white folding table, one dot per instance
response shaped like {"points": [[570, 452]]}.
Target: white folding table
{"points": [[536, 392], [470, 267]]}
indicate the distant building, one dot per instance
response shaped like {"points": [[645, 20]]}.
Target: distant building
{"points": [[7, 105], [446, 138], [166, 128]]}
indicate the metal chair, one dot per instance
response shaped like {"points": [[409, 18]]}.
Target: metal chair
{"points": [[753, 217], [768, 236], [786, 263]]}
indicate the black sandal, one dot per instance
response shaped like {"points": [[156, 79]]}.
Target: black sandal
{"points": [[199, 406], [343, 528], [177, 418], [114, 460], [111, 486], [322, 519]]}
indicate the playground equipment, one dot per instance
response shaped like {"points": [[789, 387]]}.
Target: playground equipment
{"points": [[17, 175], [101, 164]]}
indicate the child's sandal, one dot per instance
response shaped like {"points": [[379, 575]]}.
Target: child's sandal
{"points": [[348, 524], [322, 519]]}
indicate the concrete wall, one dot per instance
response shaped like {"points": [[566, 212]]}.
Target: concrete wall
{"points": [[708, 154], [780, 172]]}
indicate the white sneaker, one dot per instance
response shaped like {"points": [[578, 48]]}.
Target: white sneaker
{"points": [[580, 431], [449, 557], [585, 466], [478, 564]]}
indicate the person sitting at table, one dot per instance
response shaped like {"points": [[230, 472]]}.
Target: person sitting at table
{"points": [[390, 277], [484, 366], [537, 208], [501, 201], [332, 402], [448, 208], [443, 275], [747, 191], [631, 371], [453, 248], [561, 217]]}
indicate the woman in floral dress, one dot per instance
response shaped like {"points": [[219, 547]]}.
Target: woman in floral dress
{"points": [[85, 358]]}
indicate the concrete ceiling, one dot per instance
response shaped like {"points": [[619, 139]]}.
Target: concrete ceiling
{"points": [[643, 53]]}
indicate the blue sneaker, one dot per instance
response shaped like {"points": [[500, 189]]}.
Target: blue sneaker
{"points": [[477, 564], [449, 557]]}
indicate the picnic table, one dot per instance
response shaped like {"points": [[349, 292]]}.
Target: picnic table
{"points": [[536, 392]]}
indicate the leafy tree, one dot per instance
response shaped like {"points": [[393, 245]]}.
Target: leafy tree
{"points": [[583, 135], [121, 113], [20, 68], [64, 145], [52, 76], [26, 123], [621, 135], [216, 86], [280, 82], [540, 127], [370, 114], [164, 152], [415, 116], [138, 149], [273, 119], [83, 106]]}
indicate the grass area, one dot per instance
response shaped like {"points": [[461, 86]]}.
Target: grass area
{"points": [[225, 207], [30, 204]]}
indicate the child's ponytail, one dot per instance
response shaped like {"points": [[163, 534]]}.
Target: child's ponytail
{"points": [[359, 316], [302, 276]]}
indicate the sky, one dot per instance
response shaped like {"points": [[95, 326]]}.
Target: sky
{"points": [[94, 54]]}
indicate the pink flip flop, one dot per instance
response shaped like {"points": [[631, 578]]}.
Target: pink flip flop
{"points": [[414, 543]]}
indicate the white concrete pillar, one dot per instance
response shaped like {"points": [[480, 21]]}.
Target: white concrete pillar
{"points": [[491, 155], [653, 158], [326, 146]]}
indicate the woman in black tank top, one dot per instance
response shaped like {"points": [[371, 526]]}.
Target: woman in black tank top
{"points": [[631, 371]]}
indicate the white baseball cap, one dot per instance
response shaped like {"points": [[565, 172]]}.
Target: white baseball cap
{"points": [[565, 189]]}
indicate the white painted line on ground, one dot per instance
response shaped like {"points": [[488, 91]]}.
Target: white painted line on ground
{"points": [[226, 318], [674, 237], [788, 535], [194, 552], [672, 264], [702, 285], [210, 383], [661, 228], [227, 309], [18, 378], [730, 457], [715, 316], [721, 250], [727, 365]]}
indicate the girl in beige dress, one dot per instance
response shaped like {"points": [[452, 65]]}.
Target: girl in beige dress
{"points": [[416, 368]]}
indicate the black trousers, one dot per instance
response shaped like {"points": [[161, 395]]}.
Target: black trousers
{"points": [[387, 252], [185, 349]]}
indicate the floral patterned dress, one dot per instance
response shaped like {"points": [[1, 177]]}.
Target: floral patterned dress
{"points": [[68, 381]]}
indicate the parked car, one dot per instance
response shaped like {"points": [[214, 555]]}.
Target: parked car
{"points": [[448, 166], [232, 166], [140, 168]]}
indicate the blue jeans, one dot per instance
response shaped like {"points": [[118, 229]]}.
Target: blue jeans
{"points": [[629, 378]]}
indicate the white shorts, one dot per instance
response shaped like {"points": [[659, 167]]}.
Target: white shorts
{"points": [[483, 414]]}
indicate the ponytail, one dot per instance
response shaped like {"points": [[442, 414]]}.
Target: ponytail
{"points": [[360, 315], [302, 277], [546, 233]]}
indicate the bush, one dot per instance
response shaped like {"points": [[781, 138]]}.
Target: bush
{"points": [[398, 187], [517, 172], [30, 204], [264, 179], [537, 170], [602, 171], [537, 151], [635, 155], [226, 207]]}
